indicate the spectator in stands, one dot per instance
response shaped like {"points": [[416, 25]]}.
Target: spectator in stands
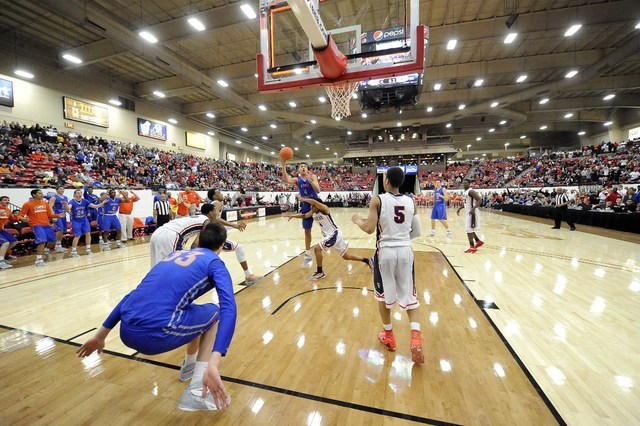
{"points": [[17, 224], [619, 207], [613, 196], [192, 198], [125, 216], [38, 213]]}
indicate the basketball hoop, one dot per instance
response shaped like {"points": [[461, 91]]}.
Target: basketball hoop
{"points": [[340, 96]]}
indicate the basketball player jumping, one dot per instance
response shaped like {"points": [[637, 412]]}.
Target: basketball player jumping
{"points": [[439, 211], [308, 186], [159, 316], [332, 235], [472, 218], [395, 217]]}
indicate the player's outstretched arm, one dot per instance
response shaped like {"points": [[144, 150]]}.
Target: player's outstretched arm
{"points": [[368, 224], [313, 180], [285, 176], [96, 343], [318, 205]]}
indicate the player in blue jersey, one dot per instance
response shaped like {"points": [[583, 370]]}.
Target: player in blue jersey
{"points": [[92, 214], [78, 209], [110, 219], [58, 203], [439, 212], [160, 316], [308, 187]]}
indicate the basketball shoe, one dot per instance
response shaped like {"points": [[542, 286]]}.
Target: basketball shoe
{"points": [[308, 260], [471, 249], [317, 276], [186, 371], [192, 400], [388, 339], [431, 234], [40, 263], [252, 279], [416, 347], [479, 244], [449, 233], [5, 265]]}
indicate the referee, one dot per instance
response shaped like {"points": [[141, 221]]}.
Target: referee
{"points": [[562, 209], [162, 211]]}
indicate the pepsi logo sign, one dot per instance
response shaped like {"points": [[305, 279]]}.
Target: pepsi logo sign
{"points": [[377, 36]]}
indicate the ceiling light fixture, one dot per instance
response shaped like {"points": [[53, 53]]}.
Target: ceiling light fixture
{"points": [[322, 99], [494, 104], [568, 115], [521, 78], [572, 30], [478, 139], [264, 138], [544, 101], [452, 44], [248, 10], [296, 148], [510, 37], [364, 115], [608, 123], [523, 137], [244, 129], [478, 83], [273, 126], [223, 83], [543, 127], [461, 106], [308, 136], [238, 142], [255, 147], [115, 102], [195, 23], [437, 86], [148, 36], [211, 133], [313, 121], [23, 73], [349, 132], [211, 115], [72, 58], [609, 97], [582, 133], [292, 104], [262, 107], [159, 94], [317, 142], [429, 109], [172, 121], [448, 125], [571, 74]]}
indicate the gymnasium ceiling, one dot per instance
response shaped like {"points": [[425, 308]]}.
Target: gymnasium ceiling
{"points": [[605, 51]]}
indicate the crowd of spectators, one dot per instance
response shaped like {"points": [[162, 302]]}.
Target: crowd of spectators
{"points": [[36, 156]]}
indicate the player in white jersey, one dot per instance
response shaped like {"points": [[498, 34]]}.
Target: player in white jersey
{"points": [[471, 216], [395, 217], [332, 235]]}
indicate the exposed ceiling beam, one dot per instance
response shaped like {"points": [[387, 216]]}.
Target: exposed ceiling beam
{"points": [[95, 52]]}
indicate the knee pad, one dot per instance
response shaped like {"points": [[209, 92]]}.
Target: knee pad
{"points": [[240, 254]]}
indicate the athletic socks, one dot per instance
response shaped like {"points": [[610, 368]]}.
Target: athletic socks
{"points": [[308, 253], [198, 372], [319, 271], [415, 326], [190, 359], [387, 327], [38, 257], [247, 273]]}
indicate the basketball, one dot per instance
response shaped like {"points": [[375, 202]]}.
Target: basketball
{"points": [[285, 154]]}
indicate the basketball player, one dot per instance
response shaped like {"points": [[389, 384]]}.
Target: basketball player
{"points": [[110, 219], [173, 235], [7, 241], [78, 208], [39, 213], [308, 186], [332, 235], [395, 217], [58, 203], [439, 212], [159, 316], [472, 219]]}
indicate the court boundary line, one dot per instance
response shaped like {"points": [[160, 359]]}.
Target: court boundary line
{"points": [[523, 367], [275, 389], [314, 290]]}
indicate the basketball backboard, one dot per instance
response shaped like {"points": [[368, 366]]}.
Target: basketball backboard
{"points": [[380, 38]]}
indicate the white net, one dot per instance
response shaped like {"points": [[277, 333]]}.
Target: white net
{"points": [[340, 96]]}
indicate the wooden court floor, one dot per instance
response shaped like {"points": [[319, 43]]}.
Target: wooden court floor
{"points": [[538, 327]]}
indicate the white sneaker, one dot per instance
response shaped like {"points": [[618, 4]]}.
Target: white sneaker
{"points": [[74, 254], [106, 247], [5, 265], [431, 234], [120, 245], [60, 249], [191, 399], [89, 253], [186, 372], [308, 260], [449, 234], [40, 263]]}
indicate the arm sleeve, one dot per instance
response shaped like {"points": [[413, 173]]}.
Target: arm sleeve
{"points": [[114, 316], [222, 280], [24, 211], [416, 227]]}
